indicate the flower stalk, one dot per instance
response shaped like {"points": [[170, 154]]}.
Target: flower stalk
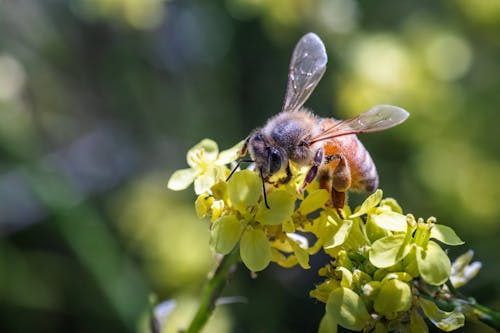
{"points": [[212, 290], [485, 315]]}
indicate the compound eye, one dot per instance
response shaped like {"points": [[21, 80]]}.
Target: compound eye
{"points": [[257, 137], [274, 162]]}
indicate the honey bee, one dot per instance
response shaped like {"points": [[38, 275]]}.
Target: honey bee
{"points": [[328, 146]]}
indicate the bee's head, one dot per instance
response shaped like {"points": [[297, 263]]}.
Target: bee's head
{"points": [[268, 157]]}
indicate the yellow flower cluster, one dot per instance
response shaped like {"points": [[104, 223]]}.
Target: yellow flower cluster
{"points": [[379, 257]]}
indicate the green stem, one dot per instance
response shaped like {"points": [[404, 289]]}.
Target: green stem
{"points": [[485, 315], [477, 311], [212, 291], [467, 305]]}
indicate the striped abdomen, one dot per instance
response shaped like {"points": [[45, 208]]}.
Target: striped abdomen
{"points": [[363, 173]]}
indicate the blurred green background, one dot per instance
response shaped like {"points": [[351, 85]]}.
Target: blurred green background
{"points": [[100, 100]]}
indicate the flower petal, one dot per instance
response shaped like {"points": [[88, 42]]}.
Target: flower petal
{"points": [[244, 189], [255, 249], [300, 252], [181, 179], [387, 251], [340, 235], [327, 325], [417, 323], [226, 233], [394, 296], [230, 155], [203, 183], [281, 204], [390, 221], [313, 201], [433, 264], [447, 321], [445, 235], [370, 202], [348, 309], [204, 151]]}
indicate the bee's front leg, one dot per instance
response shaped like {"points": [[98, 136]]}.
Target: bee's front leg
{"points": [[285, 179], [313, 171]]}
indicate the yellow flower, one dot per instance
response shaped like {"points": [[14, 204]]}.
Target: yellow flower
{"points": [[207, 166]]}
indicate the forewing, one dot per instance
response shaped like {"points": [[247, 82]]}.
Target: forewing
{"points": [[307, 66], [378, 118]]}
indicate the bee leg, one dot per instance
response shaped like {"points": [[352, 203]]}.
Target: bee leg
{"points": [[244, 148], [341, 181], [288, 175], [313, 171], [339, 199], [283, 180]]}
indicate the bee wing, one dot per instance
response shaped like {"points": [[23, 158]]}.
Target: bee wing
{"points": [[378, 118], [307, 66]]}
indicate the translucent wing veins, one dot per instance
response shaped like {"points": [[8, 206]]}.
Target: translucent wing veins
{"points": [[307, 66], [378, 118]]}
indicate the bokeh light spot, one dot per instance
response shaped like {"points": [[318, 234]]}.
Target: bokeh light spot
{"points": [[158, 229], [448, 57], [145, 14], [382, 60], [12, 77], [483, 11], [142, 15], [339, 16]]}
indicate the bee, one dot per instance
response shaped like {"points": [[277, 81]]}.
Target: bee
{"points": [[329, 147]]}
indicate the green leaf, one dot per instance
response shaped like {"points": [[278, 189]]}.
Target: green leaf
{"points": [[328, 325], [206, 150], [244, 189], [226, 233], [446, 321], [394, 296], [314, 201], [255, 250], [390, 221], [445, 235], [181, 179], [370, 202], [340, 236], [433, 264], [347, 309], [387, 251], [282, 205]]}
